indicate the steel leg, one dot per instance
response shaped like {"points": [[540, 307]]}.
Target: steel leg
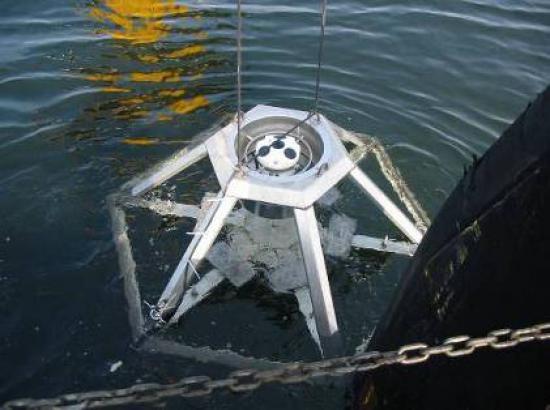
{"points": [[198, 292], [163, 207], [384, 245], [319, 287], [127, 266], [168, 169], [206, 232], [306, 307], [393, 213]]}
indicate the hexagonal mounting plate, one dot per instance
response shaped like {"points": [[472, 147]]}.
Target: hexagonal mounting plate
{"points": [[299, 191]]}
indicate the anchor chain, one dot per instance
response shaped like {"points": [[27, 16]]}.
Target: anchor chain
{"points": [[248, 380]]}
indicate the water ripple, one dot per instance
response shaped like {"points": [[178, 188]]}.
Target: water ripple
{"points": [[32, 134], [435, 81]]}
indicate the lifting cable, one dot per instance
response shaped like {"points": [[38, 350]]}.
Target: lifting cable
{"points": [[314, 109]]}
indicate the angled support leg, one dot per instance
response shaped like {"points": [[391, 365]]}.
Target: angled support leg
{"points": [[168, 169], [393, 213], [319, 286], [384, 245], [206, 232], [199, 291], [127, 266], [306, 307]]}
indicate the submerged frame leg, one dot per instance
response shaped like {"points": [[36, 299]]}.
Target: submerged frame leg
{"points": [[306, 307], [206, 232], [317, 277], [168, 169], [199, 291], [384, 245], [393, 213], [127, 266]]}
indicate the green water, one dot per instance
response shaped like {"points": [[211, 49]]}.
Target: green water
{"points": [[92, 92]]}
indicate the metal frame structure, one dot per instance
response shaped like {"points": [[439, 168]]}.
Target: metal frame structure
{"points": [[300, 192]]}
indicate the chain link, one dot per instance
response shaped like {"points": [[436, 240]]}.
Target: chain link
{"points": [[249, 380]]}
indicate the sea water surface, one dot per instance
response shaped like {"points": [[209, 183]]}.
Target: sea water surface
{"points": [[93, 92]]}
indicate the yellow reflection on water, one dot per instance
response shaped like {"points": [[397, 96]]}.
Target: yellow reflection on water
{"points": [[103, 77], [186, 51], [167, 76], [138, 21], [159, 52], [189, 105], [115, 90]]}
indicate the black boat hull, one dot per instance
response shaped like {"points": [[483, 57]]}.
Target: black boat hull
{"points": [[483, 265]]}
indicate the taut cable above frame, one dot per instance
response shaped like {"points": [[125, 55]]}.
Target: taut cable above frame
{"points": [[239, 64], [315, 108]]}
